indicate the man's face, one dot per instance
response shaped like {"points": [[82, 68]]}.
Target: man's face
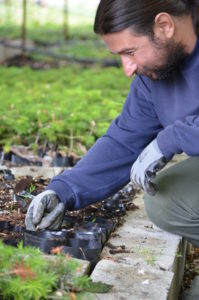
{"points": [[140, 55]]}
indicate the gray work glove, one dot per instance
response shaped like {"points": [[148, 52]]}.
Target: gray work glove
{"points": [[45, 212], [150, 161]]}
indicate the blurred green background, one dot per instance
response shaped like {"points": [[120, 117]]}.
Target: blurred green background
{"points": [[46, 94]]}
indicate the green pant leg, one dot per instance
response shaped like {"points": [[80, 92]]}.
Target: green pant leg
{"points": [[175, 208]]}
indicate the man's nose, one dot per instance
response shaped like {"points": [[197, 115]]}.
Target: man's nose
{"points": [[129, 65]]}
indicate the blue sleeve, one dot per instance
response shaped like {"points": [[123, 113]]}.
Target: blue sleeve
{"points": [[181, 136], [106, 166]]}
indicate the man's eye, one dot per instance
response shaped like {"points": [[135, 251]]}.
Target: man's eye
{"points": [[130, 53]]}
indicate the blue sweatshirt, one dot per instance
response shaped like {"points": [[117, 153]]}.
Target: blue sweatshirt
{"points": [[167, 110]]}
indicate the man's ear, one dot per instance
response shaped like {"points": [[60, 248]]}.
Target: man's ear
{"points": [[164, 26]]}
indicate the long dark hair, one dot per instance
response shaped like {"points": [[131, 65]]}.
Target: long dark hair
{"points": [[116, 15]]}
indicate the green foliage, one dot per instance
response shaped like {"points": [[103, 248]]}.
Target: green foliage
{"points": [[32, 188], [62, 106], [88, 49], [98, 287], [46, 33], [23, 274], [82, 282], [26, 274]]}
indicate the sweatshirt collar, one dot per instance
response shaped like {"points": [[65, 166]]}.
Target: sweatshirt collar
{"points": [[190, 59]]}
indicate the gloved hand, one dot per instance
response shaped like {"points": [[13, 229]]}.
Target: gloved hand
{"points": [[45, 212], [150, 161]]}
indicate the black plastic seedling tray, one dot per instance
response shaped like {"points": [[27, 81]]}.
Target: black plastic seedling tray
{"points": [[5, 225], [14, 233], [92, 255], [45, 240], [79, 243], [83, 233], [84, 241]]}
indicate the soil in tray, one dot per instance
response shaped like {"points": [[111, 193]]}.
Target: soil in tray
{"points": [[16, 195]]}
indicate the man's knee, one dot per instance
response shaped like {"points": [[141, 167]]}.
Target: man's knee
{"points": [[159, 212], [173, 205]]}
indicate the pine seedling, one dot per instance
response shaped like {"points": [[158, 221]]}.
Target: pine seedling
{"points": [[32, 188], [25, 274]]}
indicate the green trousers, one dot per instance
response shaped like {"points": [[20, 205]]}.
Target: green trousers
{"points": [[175, 208]]}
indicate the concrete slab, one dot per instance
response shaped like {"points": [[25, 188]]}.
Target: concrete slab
{"points": [[132, 282], [143, 240], [46, 172], [146, 270]]}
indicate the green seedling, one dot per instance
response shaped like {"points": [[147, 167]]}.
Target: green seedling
{"points": [[31, 188], [27, 274], [51, 115], [11, 205]]}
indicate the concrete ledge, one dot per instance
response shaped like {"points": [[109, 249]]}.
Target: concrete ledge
{"points": [[150, 268], [132, 282], [46, 172], [178, 270]]}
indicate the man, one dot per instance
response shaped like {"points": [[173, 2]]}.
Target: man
{"points": [[157, 41]]}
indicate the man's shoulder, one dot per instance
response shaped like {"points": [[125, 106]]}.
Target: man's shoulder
{"points": [[141, 82]]}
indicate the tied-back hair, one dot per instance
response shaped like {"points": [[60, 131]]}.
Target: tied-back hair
{"points": [[117, 15]]}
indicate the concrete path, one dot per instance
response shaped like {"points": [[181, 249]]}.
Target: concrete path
{"points": [[152, 267]]}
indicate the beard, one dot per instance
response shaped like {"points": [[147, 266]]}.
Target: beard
{"points": [[172, 54]]}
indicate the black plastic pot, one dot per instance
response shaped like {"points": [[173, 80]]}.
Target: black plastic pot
{"points": [[18, 160], [103, 223], [46, 240], [92, 255], [61, 161], [86, 232], [113, 205], [86, 243], [5, 225], [102, 228], [88, 246], [70, 222], [7, 174]]}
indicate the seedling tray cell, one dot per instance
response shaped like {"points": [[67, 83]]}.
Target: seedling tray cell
{"points": [[5, 225], [94, 234], [91, 244], [83, 253], [11, 234], [46, 240]]}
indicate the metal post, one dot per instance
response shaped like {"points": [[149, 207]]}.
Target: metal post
{"points": [[65, 19], [23, 29]]}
